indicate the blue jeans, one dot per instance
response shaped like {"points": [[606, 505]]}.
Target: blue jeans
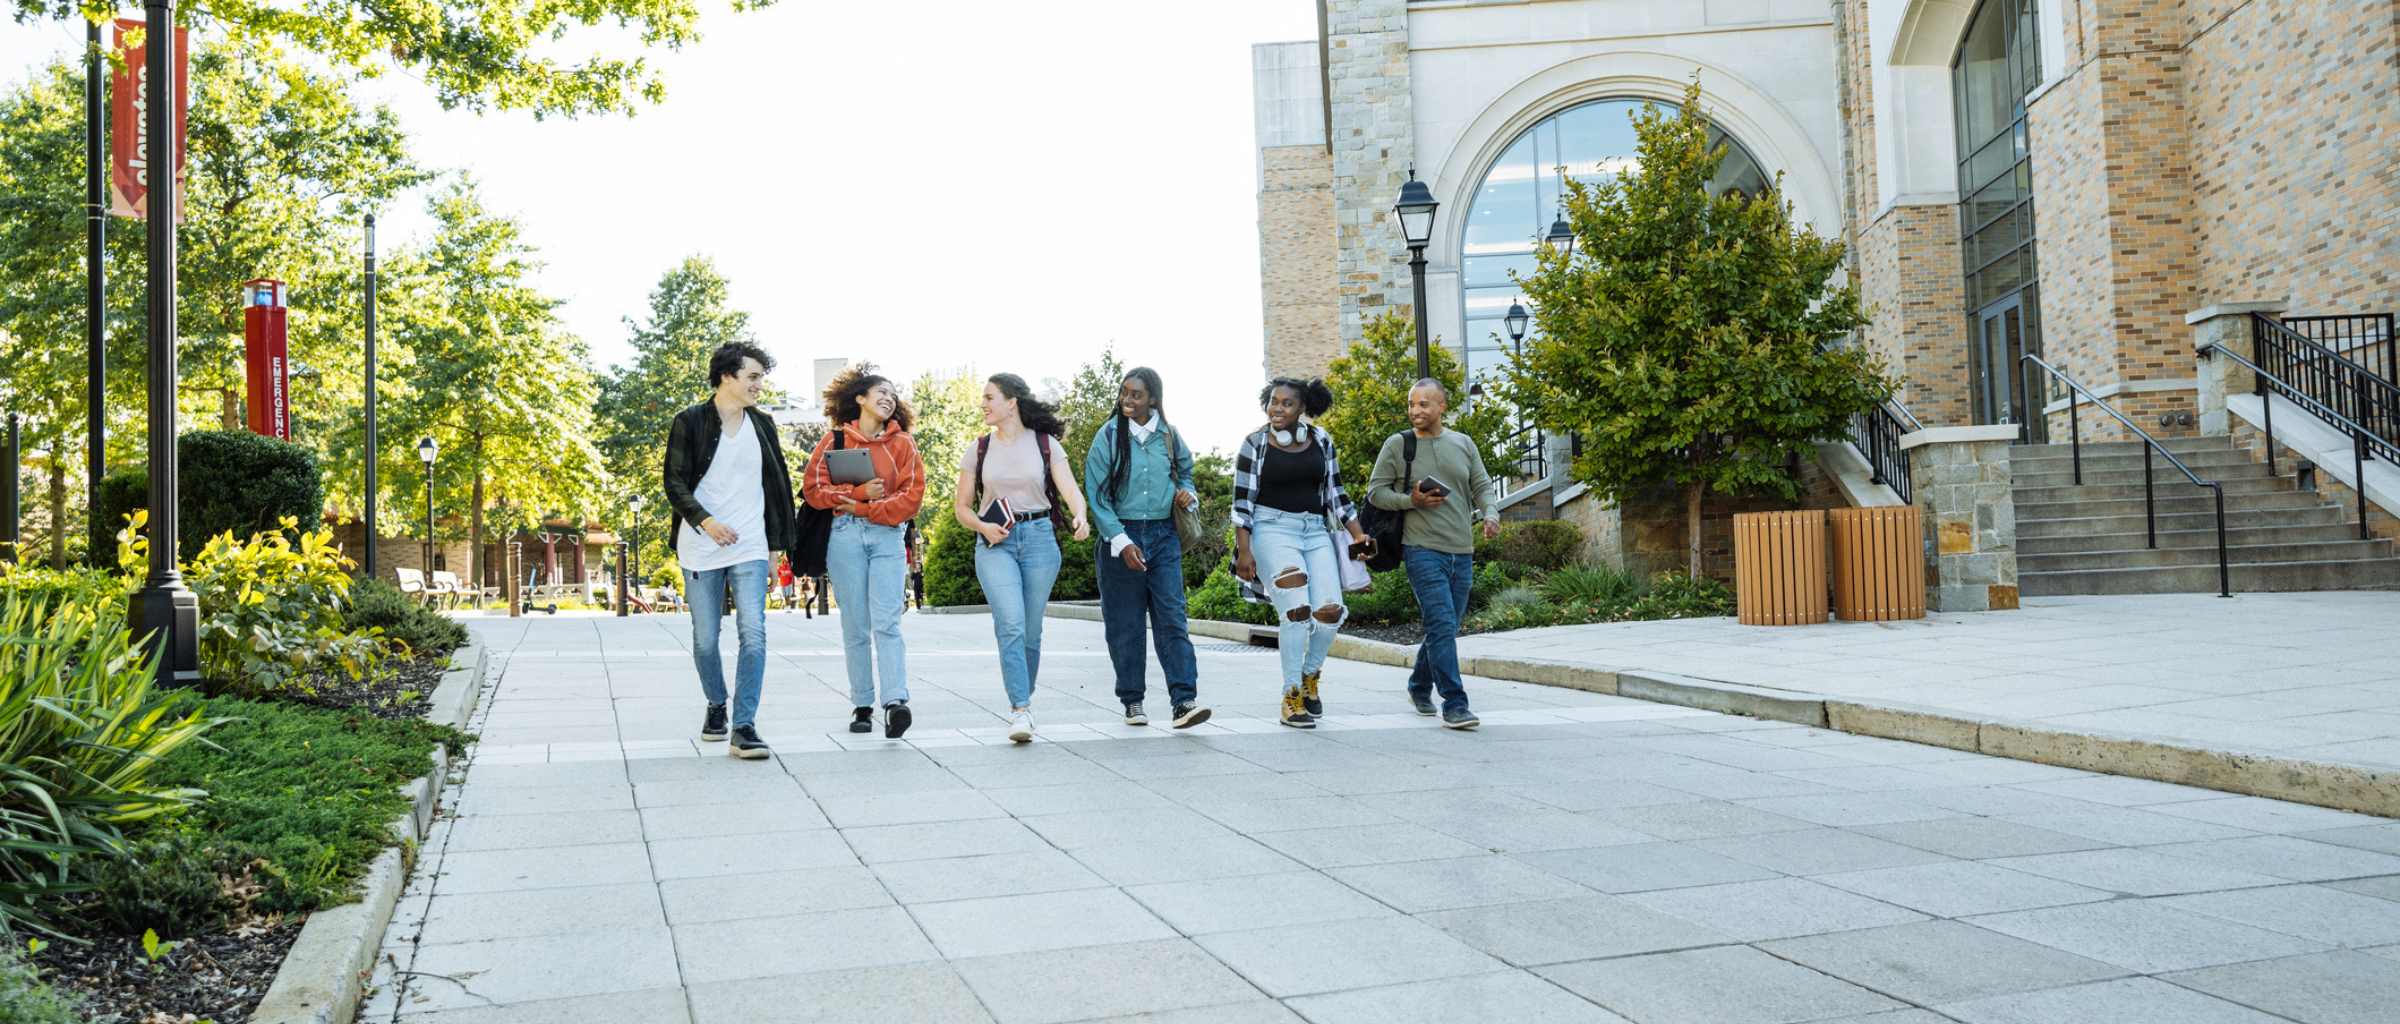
{"points": [[1281, 541], [1442, 582], [1016, 578], [1128, 597], [706, 591], [870, 577]]}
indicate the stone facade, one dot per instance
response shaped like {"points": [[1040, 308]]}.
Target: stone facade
{"points": [[1373, 138], [1960, 476], [1296, 260]]}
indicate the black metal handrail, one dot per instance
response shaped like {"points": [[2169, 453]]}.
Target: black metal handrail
{"points": [[2362, 338], [1529, 451], [1876, 433], [2149, 484], [2360, 438], [2350, 389]]}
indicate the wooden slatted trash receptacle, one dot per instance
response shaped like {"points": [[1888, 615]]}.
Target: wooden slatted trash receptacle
{"points": [[1779, 568], [1879, 563]]}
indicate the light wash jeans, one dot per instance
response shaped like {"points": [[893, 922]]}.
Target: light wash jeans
{"points": [[1016, 578], [1280, 541], [870, 574], [705, 590]]}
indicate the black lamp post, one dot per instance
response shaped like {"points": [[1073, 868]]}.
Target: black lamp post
{"points": [[371, 439], [1415, 210], [426, 450], [164, 614], [1516, 325], [1561, 236], [635, 503]]}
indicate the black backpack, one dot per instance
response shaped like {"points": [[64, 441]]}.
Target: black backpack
{"points": [[1384, 524], [815, 527]]}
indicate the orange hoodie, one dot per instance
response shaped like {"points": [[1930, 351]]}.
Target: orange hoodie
{"points": [[896, 464]]}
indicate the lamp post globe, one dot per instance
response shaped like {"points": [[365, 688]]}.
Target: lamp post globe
{"points": [[1561, 237], [1515, 320], [1415, 211]]}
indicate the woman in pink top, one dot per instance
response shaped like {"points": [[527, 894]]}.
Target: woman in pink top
{"points": [[1020, 467]]}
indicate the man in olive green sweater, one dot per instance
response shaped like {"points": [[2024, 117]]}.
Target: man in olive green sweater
{"points": [[1437, 540]]}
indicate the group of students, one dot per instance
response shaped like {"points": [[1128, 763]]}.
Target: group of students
{"points": [[734, 508]]}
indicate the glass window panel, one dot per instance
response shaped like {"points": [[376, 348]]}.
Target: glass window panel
{"points": [[1994, 200], [1492, 270], [1982, 78], [1994, 160]]}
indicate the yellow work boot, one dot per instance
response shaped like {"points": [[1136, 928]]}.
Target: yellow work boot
{"points": [[1295, 710], [1308, 695]]}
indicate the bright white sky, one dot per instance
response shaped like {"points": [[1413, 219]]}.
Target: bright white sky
{"points": [[928, 185]]}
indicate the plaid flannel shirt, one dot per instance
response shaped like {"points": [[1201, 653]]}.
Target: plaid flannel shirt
{"points": [[1253, 455]]}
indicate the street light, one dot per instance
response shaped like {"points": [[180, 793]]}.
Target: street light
{"points": [[164, 614], [426, 450], [635, 503], [1415, 210], [371, 439], [1561, 237]]}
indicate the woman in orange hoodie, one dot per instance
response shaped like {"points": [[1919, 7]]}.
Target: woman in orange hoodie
{"points": [[864, 555]]}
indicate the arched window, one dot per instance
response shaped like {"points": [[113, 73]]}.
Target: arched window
{"points": [[1519, 197]]}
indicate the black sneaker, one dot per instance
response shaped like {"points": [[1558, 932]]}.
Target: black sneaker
{"points": [[895, 719], [712, 728], [1460, 719], [1308, 696], [862, 720], [1189, 715], [1134, 715], [747, 745], [1423, 702]]}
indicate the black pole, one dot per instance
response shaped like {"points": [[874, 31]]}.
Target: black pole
{"points": [[429, 520], [8, 488], [371, 443], [1416, 269], [624, 586], [95, 284], [165, 613]]}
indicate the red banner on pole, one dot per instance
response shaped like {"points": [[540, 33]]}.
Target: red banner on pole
{"points": [[128, 137], [266, 356]]}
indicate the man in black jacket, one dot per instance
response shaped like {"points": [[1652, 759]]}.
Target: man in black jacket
{"points": [[731, 501]]}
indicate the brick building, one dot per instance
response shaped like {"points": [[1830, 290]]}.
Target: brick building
{"points": [[2082, 180]]}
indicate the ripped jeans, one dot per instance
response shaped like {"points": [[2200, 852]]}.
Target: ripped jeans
{"points": [[1281, 542]]}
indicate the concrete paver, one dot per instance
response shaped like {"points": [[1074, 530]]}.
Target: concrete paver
{"points": [[1579, 858]]}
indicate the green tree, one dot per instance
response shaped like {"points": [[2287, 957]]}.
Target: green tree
{"points": [[688, 319], [1690, 338], [1370, 382], [498, 382], [949, 408], [475, 55], [1090, 400]]}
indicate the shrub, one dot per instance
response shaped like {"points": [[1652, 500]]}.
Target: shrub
{"points": [[1592, 584], [1676, 595], [123, 492], [1219, 597], [80, 735], [375, 604], [1516, 597], [309, 789], [234, 481], [1390, 602], [950, 565], [1544, 545], [60, 586], [1078, 574], [23, 997], [177, 882], [270, 611], [1216, 535]]}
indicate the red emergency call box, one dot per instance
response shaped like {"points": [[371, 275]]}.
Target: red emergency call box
{"points": [[268, 360]]}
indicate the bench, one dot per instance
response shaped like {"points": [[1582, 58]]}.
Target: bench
{"points": [[445, 589], [412, 584]]}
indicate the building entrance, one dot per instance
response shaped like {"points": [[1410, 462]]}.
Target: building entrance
{"points": [[2004, 393]]}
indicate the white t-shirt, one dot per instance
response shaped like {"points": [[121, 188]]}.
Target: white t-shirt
{"points": [[731, 491]]}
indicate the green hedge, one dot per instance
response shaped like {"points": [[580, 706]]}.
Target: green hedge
{"points": [[244, 483], [374, 603]]}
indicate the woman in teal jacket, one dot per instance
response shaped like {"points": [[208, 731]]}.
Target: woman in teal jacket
{"points": [[1139, 472]]}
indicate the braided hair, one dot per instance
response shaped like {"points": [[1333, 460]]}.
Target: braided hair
{"points": [[1158, 411], [1037, 416]]}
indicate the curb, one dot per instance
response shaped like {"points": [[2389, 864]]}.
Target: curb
{"points": [[2344, 787], [323, 974]]}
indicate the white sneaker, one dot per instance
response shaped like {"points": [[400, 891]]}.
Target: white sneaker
{"points": [[1020, 726]]}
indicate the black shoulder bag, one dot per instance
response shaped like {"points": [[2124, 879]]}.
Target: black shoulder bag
{"points": [[815, 526], [1385, 524]]}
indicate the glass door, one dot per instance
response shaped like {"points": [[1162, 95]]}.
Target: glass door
{"points": [[2006, 390]]}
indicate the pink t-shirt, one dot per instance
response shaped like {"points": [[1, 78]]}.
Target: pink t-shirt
{"points": [[1012, 471]]}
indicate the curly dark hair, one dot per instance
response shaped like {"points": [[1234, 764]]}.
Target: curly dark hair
{"points": [[1315, 397], [726, 361], [1037, 416], [847, 387]]}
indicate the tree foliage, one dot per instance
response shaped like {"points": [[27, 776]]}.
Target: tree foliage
{"points": [[475, 55], [1370, 382], [949, 408], [689, 318], [1689, 337]]}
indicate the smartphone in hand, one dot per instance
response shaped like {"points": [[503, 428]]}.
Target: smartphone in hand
{"points": [[1361, 549], [1433, 487]]}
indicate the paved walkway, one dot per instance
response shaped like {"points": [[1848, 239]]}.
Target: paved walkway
{"points": [[1580, 858], [2314, 676]]}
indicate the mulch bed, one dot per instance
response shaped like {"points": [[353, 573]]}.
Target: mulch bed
{"points": [[1406, 634], [221, 977], [216, 978]]}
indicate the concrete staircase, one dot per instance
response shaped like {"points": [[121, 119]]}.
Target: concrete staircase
{"points": [[2091, 539]]}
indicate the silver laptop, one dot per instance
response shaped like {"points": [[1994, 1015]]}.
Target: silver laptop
{"points": [[850, 465]]}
